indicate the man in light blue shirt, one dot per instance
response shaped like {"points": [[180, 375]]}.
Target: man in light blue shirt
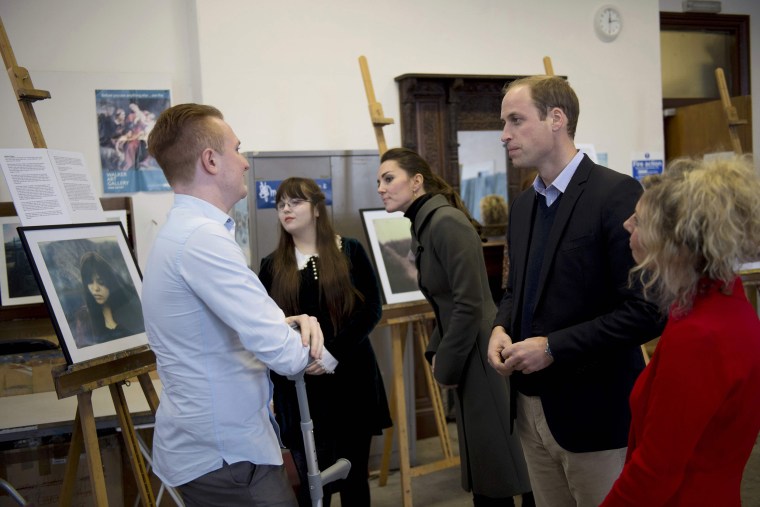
{"points": [[214, 330]]}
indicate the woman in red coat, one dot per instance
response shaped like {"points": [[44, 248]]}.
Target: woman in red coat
{"points": [[696, 407]]}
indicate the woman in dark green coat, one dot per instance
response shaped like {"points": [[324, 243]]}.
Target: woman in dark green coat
{"points": [[452, 276]]}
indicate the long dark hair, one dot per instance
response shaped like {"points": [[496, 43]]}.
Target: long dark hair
{"points": [[336, 289], [412, 163], [120, 295]]}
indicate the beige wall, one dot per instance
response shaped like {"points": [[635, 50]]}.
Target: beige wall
{"points": [[286, 74]]}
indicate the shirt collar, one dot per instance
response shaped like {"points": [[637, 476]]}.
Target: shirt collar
{"points": [[563, 179], [205, 208]]}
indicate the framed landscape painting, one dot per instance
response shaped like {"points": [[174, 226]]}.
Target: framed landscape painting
{"points": [[390, 240]]}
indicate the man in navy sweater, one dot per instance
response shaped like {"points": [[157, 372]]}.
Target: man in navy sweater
{"points": [[569, 326]]}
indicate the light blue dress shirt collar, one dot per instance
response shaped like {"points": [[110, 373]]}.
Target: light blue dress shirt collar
{"points": [[208, 210], [560, 183]]}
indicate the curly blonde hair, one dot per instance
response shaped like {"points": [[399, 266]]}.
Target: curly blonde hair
{"points": [[494, 212], [698, 220], [494, 209]]}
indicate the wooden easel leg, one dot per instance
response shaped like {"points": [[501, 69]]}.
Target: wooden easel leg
{"points": [[434, 391], [72, 463], [132, 446], [398, 341], [385, 463], [89, 432], [150, 391], [398, 375]]}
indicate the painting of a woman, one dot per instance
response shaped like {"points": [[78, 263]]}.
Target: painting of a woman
{"points": [[112, 307]]}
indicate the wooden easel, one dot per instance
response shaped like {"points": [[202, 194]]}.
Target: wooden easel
{"points": [[399, 317], [25, 91], [375, 108], [751, 278], [548, 68], [82, 378], [731, 115]]}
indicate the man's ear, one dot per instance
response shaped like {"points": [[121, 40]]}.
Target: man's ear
{"points": [[209, 161], [558, 118]]}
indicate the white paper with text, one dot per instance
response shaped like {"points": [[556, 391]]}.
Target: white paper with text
{"points": [[50, 187]]}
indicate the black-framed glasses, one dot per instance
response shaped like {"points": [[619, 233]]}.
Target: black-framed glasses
{"points": [[291, 203]]}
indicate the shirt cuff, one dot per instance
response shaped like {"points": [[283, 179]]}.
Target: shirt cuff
{"points": [[328, 361]]}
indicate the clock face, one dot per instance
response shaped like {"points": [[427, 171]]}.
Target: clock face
{"points": [[608, 23]]}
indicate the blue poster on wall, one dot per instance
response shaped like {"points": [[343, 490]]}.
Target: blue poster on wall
{"points": [[266, 191], [125, 118], [646, 164]]}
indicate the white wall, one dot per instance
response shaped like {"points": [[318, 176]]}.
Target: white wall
{"points": [[286, 75], [73, 48]]}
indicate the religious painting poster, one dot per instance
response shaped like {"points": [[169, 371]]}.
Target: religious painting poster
{"points": [[125, 118]]}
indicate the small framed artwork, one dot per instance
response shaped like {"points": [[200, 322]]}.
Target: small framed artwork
{"points": [[390, 240], [91, 285], [17, 283]]}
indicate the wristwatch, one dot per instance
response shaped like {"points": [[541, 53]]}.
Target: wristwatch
{"points": [[547, 350]]}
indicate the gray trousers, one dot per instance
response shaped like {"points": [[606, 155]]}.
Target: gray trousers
{"points": [[241, 484]]}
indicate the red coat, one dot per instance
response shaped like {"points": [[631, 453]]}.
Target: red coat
{"points": [[695, 408]]}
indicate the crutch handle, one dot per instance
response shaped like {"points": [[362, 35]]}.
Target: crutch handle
{"points": [[336, 471]]}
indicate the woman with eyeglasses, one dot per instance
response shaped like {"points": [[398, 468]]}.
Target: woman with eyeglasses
{"points": [[313, 270]]}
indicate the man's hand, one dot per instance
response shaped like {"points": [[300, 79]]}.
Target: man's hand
{"points": [[311, 333], [498, 342], [527, 356], [315, 368]]}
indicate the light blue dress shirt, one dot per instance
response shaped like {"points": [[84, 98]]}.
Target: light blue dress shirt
{"points": [[215, 333], [560, 183]]}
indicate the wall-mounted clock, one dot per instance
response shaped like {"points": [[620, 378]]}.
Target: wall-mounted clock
{"points": [[608, 23]]}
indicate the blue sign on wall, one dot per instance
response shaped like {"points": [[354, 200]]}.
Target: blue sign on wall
{"points": [[266, 190], [646, 166]]}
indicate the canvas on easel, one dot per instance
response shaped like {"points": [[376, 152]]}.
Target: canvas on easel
{"points": [[91, 286]]}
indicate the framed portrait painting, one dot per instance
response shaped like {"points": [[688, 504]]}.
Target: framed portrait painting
{"points": [[390, 242], [91, 285], [17, 283]]}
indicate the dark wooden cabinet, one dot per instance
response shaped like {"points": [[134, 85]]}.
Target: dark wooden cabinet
{"points": [[434, 107]]}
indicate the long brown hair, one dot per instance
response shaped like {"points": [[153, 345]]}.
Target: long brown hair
{"points": [[335, 287], [412, 163]]}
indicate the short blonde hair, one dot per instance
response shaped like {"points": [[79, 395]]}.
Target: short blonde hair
{"points": [[700, 219], [549, 92], [180, 135]]}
